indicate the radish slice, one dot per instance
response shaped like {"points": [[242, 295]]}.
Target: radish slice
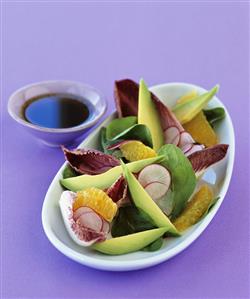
{"points": [[193, 149], [155, 179], [105, 227], [84, 226], [186, 148], [185, 138], [166, 204], [172, 135], [87, 218]]}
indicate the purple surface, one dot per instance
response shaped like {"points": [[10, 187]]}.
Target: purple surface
{"points": [[98, 43]]}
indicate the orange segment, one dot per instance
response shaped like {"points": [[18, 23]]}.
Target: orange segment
{"points": [[201, 131], [195, 208], [97, 200], [136, 150]]}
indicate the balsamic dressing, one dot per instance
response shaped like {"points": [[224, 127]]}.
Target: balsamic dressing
{"points": [[57, 110]]}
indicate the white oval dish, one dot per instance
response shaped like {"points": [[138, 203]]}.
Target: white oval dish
{"points": [[219, 175]]}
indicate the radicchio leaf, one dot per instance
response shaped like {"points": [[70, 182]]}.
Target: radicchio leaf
{"points": [[119, 191], [167, 117], [126, 98], [86, 161], [201, 160]]}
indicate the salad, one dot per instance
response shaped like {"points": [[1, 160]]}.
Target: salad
{"points": [[144, 184]]}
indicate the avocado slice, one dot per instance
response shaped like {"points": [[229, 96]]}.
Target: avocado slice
{"points": [[148, 115], [144, 202], [129, 243], [187, 110], [106, 179]]}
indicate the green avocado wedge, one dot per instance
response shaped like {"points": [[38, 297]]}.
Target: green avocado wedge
{"points": [[148, 115], [145, 203], [189, 109], [106, 179], [129, 243], [182, 176]]}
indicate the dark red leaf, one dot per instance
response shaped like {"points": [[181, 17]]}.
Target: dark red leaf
{"points": [[126, 97], [167, 117], [118, 191], [201, 160], [86, 161]]}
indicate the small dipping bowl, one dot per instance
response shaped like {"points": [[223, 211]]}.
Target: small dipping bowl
{"points": [[57, 136]]}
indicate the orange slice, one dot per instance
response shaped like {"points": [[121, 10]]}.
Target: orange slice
{"points": [[201, 131], [195, 209], [136, 150], [97, 200]]}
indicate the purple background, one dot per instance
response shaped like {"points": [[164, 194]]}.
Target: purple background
{"points": [[97, 43]]}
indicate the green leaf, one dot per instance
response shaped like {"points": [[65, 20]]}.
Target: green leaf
{"points": [[105, 143], [69, 172], [183, 180], [214, 115], [188, 110], [130, 220], [136, 132], [118, 125], [156, 245]]}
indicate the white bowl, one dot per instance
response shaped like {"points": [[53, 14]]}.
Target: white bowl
{"points": [[57, 136], [219, 175]]}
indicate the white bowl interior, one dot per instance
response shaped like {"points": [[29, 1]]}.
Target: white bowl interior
{"points": [[219, 176]]}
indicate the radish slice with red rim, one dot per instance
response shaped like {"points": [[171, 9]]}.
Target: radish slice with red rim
{"points": [[87, 218], [155, 179], [172, 135], [193, 149], [185, 138], [85, 227], [186, 148]]}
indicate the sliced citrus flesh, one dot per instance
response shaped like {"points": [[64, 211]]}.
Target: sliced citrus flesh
{"points": [[97, 200], [136, 150], [195, 208], [200, 129]]}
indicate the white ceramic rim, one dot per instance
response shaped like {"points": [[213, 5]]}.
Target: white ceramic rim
{"points": [[161, 257], [57, 130]]}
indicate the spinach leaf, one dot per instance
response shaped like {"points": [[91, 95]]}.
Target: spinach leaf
{"points": [[105, 143], [136, 132], [130, 220], [156, 245], [118, 125], [214, 115], [182, 176], [69, 172]]}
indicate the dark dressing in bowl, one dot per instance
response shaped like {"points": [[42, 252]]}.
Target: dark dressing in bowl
{"points": [[57, 110]]}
